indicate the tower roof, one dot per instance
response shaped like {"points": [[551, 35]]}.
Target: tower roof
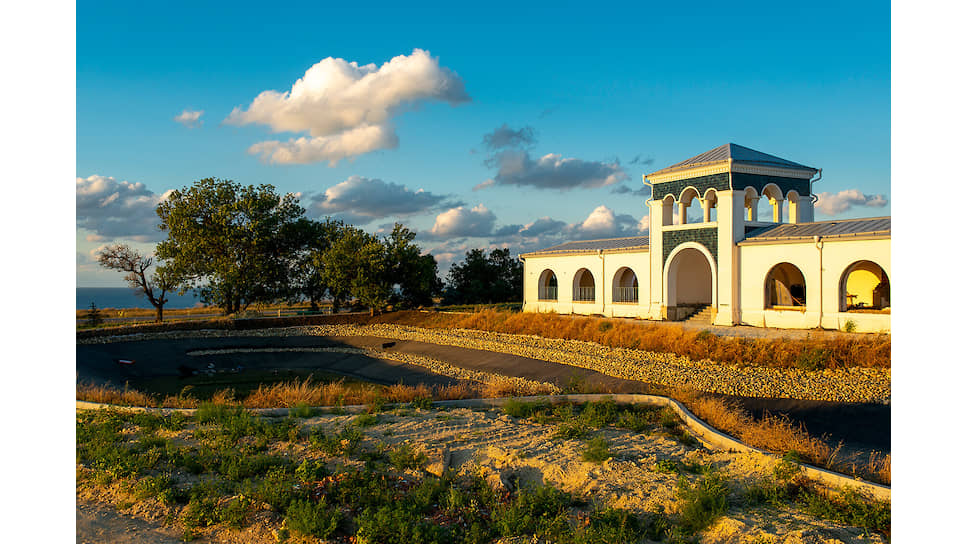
{"points": [[738, 154]]}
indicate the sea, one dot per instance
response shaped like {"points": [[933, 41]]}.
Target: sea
{"points": [[124, 297]]}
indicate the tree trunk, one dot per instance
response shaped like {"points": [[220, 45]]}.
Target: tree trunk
{"points": [[159, 313]]}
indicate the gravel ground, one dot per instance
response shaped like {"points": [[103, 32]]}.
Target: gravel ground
{"points": [[870, 385]]}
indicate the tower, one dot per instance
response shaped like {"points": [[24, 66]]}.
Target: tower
{"points": [[694, 257]]}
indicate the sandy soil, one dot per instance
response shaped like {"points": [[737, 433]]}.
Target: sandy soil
{"points": [[507, 452]]}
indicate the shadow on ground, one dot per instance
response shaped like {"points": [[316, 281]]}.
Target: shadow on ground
{"points": [[157, 362]]}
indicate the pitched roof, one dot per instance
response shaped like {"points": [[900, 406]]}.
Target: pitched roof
{"points": [[842, 228], [592, 246], [739, 154]]}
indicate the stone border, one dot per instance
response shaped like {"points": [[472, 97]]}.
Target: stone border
{"points": [[707, 435]]}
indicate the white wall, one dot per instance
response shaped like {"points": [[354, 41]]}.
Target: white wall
{"points": [[566, 266], [823, 299]]}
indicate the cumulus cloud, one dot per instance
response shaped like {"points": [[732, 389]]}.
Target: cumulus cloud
{"points": [[552, 171], [833, 204], [603, 222], [364, 199], [346, 108], [462, 222], [117, 209], [504, 136], [516, 166], [190, 118], [644, 191]]}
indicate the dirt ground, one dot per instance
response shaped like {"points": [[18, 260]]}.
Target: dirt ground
{"points": [[508, 452]]}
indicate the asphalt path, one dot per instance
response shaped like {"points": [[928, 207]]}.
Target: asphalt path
{"points": [[858, 426]]}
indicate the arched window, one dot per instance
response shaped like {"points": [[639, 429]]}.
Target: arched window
{"points": [[625, 286], [667, 204], [750, 201], [864, 286], [548, 286], [785, 287], [685, 200], [775, 197], [709, 201], [584, 287]]}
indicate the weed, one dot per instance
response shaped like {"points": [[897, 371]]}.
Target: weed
{"points": [[571, 428], [541, 510], [422, 403], [812, 359], [403, 457], [517, 408], [666, 466], [850, 325], [366, 420], [703, 502], [313, 519], [304, 410], [596, 451]]}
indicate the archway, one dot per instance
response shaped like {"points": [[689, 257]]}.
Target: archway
{"points": [[785, 287], [690, 280], [625, 286], [864, 286], [547, 286], [584, 286]]}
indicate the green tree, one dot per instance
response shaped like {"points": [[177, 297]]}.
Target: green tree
{"points": [[155, 288], [308, 239], [485, 278], [355, 266], [413, 275], [227, 241]]}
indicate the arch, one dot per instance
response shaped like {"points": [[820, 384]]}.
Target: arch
{"points": [[750, 200], [864, 285], [785, 287], [685, 200], [625, 286], [774, 194], [795, 211], [583, 286], [710, 201], [548, 285], [668, 202], [690, 279]]}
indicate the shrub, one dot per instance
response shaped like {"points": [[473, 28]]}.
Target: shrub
{"points": [[850, 326], [596, 451], [403, 457], [703, 502], [313, 519]]}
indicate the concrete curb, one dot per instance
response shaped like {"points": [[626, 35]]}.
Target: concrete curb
{"points": [[710, 437]]}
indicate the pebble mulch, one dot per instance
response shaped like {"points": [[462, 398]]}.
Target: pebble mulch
{"points": [[838, 385]]}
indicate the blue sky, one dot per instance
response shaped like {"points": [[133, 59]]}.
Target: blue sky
{"points": [[578, 102]]}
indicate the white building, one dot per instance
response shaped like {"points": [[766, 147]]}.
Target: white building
{"points": [[728, 268]]}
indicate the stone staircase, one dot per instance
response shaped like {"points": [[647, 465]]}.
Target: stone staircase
{"points": [[703, 315]]}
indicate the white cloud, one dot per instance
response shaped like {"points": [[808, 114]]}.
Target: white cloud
{"points": [[363, 199], [346, 108], [602, 222], [460, 221], [189, 118], [344, 145], [117, 209], [833, 204]]}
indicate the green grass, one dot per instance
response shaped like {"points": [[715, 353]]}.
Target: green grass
{"points": [[229, 464], [596, 450]]}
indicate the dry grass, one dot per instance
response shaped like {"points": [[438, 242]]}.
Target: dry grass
{"points": [[296, 392], [780, 435], [823, 351]]}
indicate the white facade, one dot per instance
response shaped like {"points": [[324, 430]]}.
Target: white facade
{"points": [[790, 272]]}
